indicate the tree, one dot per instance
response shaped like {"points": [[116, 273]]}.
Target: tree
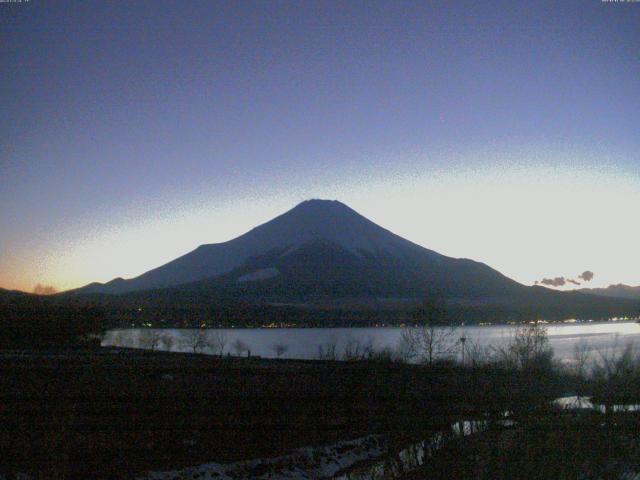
{"points": [[217, 341], [581, 356], [240, 347], [39, 322], [149, 339], [356, 350], [280, 349], [167, 340], [477, 354], [196, 339], [328, 351], [431, 336], [616, 374], [528, 348]]}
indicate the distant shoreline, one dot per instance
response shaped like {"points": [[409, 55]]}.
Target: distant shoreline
{"points": [[360, 326]]}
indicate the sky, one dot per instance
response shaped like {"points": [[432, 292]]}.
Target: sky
{"points": [[132, 132]]}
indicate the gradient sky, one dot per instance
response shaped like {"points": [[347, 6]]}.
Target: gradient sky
{"points": [[507, 132]]}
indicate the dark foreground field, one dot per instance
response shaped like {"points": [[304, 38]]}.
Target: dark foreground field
{"points": [[563, 445], [110, 414]]}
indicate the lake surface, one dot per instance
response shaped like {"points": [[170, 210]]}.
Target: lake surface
{"points": [[304, 343]]}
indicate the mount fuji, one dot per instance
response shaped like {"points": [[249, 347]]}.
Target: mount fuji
{"points": [[321, 247]]}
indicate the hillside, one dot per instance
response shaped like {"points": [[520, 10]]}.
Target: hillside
{"points": [[617, 291]]}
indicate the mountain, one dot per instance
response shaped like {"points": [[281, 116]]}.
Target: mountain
{"points": [[320, 247], [321, 264], [618, 291]]}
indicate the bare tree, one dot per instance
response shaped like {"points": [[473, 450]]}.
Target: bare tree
{"points": [[357, 350], [427, 342], [149, 339], [528, 348], [477, 354], [280, 349], [432, 337], [581, 356], [614, 366], [217, 341], [122, 338], [385, 354], [615, 376], [328, 351], [196, 340], [240, 347], [167, 340]]}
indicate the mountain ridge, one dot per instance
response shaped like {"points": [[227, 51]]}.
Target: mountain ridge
{"points": [[619, 290]]}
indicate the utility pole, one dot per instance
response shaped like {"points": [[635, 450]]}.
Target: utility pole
{"points": [[462, 340]]}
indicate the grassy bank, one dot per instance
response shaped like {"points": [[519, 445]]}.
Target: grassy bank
{"points": [[106, 414]]}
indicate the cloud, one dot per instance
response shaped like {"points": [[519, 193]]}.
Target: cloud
{"points": [[40, 289], [554, 282], [587, 275]]}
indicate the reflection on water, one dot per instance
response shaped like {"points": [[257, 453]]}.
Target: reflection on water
{"points": [[303, 343]]}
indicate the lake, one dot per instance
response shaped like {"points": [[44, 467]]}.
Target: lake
{"points": [[303, 343]]}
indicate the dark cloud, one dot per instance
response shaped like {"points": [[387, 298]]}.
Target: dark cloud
{"points": [[554, 282], [587, 275], [44, 289]]}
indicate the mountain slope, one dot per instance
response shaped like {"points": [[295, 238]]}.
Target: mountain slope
{"points": [[320, 247], [322, 268], [618, 291]]}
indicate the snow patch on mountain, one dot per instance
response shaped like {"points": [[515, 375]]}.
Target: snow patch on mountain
{"points": [[262, 274]]}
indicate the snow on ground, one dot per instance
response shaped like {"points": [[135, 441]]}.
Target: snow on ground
{"points": [[302, 464], [574, 402], [365, 457]]}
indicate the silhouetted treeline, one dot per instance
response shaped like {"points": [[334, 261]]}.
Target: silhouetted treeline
{"points": [[162, 308], [195, 306], [218, 304], [36, 322]]}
